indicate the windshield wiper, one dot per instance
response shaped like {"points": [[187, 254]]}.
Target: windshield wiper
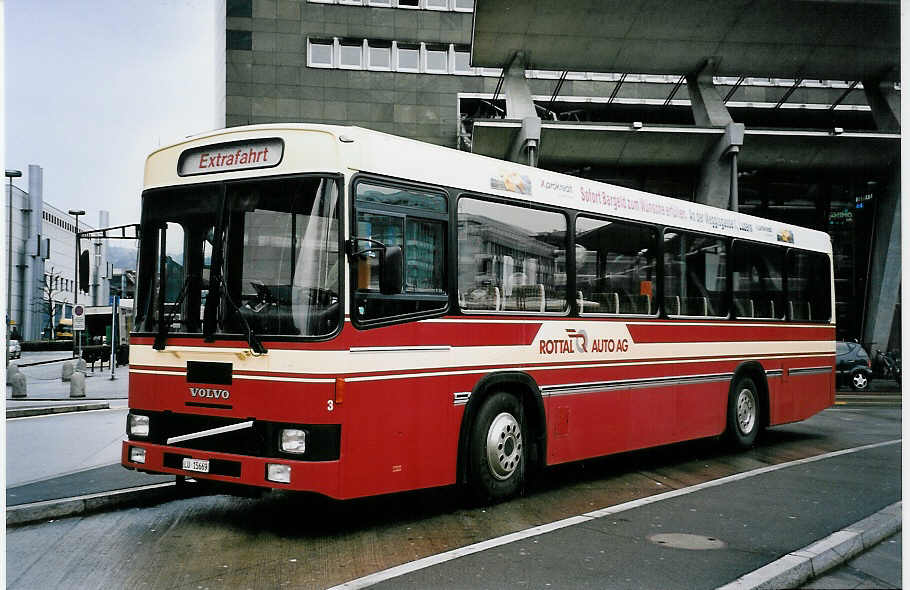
{"points": [[165, 323], [218, 288], [251, 337]]}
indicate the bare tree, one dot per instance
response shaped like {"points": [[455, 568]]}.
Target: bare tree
{"points": [[51, 287]]}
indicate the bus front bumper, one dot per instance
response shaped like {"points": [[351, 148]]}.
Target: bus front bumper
{"points": [[321, 477]]}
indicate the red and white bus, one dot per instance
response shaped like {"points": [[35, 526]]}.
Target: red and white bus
{"points": [[351, 313]]}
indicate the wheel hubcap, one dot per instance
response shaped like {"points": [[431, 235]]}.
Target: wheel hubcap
{"points": [[504, 446], [745, 410], [859, 380]]}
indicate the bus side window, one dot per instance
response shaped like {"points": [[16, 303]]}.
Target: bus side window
{"points": [[414, 220], [808, 286], [758, 280], [510, 258], [616, 266], [695, 274]]}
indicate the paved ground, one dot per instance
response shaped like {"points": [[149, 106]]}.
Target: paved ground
{"points": [[880, 567]]}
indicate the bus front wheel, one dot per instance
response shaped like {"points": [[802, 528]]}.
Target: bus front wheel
{"points": [[743, 418], [497, 453]]}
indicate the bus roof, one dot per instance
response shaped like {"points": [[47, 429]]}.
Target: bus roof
{"points": [[330, 148]]}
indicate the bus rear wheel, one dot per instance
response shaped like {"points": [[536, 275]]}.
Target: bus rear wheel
{"points": [[497, 450], [743, 413]]}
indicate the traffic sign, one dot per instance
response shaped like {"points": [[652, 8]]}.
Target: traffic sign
{"points": [[78, 317]]}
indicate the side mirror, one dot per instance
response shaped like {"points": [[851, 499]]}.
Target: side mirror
{"points": [[390, 275]]}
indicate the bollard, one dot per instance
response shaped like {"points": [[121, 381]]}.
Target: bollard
{"points": [[77, 385], [19, 386], [67, 371], [80, 366], [12, 370]]}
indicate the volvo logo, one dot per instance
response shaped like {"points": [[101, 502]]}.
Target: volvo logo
{"points": [[211, 393]]}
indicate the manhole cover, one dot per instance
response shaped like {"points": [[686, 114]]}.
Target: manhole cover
{"points": [[687, 541]]}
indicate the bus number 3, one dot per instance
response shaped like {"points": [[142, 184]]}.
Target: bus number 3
{"points": [[331, 405]]}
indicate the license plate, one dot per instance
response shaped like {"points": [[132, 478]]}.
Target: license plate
{"points": [[198, 465]]}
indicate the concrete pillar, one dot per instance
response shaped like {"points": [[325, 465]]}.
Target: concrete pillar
{"points": [[885, 274], [519, 105], [101, 279], [34, 262], [708, 107], [717, 183], [885, 103]]}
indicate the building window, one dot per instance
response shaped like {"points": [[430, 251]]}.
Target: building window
{"points": [[380, 55], [462, 60], [350, 55], [408, 58], [437, 59], [451, 5], [241, 8], [242, 40], [320, 53], [383, 55]]}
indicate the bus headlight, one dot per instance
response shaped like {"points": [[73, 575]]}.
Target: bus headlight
{"points": [[278, 473], [138, 425], [293, 440]]}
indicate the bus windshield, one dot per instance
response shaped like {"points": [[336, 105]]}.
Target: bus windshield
{"points": [[266, 251]]}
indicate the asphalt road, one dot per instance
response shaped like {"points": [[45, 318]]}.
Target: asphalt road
{"points": [[306, 541]]}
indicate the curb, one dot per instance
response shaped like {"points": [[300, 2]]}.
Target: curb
{"points": [[51, 509], [61, 409], [802, 565], [36, 363]]}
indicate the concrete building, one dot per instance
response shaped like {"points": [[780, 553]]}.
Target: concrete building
{"points": [[44, 259], [784, 110]]}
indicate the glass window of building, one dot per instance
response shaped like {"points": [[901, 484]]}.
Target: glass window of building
{"points": [[350, 54], [437, 4], [380, 55], [320, 53], [437, 58], [695, 275], [408, 58], [463, 61], [616, 267], [510, 258], [464, 5]]}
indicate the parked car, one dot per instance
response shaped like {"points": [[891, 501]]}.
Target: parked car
{"points": [[853, 366], [15, 349]]}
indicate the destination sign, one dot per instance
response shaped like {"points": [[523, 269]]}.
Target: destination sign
{"points": [[229, 157]]}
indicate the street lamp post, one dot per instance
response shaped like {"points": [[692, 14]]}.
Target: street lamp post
{"points": [[11, 174], [78, 338]]}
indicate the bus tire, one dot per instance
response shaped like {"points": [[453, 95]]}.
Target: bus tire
{"points": [[743, 413], [497, 453]]}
